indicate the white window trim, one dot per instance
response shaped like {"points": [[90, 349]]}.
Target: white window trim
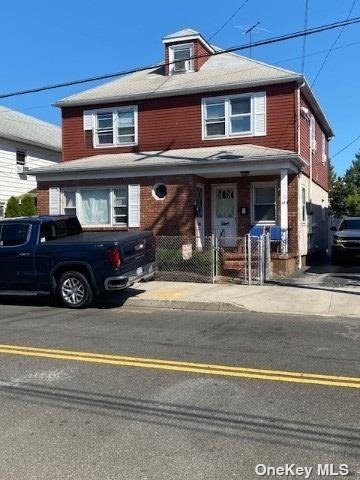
{"points": [[114, 111], [110, 189], [172, 50], [255, 185], [227, 99]]}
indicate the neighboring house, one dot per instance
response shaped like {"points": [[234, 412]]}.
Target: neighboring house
{"points": [[25, 143], [210, 143]]}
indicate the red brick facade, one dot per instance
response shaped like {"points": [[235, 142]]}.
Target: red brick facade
{"points": [[175, 214]]}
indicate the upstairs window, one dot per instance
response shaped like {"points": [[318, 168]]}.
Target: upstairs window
{"points": [[181, 56], [112, 127], [20, 163], [234, 116], [20, 158]]}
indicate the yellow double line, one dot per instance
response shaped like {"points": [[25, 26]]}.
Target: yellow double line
{"points": [[202, 368]]}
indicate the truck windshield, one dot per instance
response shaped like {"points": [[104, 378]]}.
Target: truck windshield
{"points": [[61, 228], [350, 224]]}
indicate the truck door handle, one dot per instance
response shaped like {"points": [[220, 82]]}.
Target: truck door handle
{"points": [[24, 254]]}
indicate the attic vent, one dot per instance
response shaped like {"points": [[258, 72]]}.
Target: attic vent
{"points": [[228, 156]]}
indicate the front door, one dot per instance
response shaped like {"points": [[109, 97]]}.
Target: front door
{"points": [[224, 212], [199, 216]]}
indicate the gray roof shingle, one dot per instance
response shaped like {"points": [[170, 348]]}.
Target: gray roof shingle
{"points": [[23, 128], [221, 72], [170, 159]]}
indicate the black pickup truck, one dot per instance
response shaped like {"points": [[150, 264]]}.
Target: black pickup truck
{"points": [[52, 255]]}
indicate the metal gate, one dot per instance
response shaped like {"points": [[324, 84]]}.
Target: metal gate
{"points": [[243, 259]]}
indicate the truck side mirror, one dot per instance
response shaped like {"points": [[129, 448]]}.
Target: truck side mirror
{"points": [[333, 229]]}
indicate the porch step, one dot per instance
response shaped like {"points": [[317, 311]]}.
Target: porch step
{"points": [[237, 265], [233, 256]]}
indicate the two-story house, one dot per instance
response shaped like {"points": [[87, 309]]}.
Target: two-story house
{"points": [[208, 143], [25, 143]]}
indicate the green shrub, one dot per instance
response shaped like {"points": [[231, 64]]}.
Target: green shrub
{"points": [[172, 258], [27, 206], [12, 208]]}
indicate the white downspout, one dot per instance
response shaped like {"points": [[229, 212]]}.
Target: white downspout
{"points": [[298, 177]]}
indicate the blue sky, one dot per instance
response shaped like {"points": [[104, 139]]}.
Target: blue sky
{"points": [[46, 42]]}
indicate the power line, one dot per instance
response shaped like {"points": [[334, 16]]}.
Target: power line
{"points": [[346, 147], [229, 19], [304, 40], [333, 45], [269, 41]]}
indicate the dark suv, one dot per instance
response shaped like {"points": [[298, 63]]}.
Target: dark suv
{"points": [[346, 241]]}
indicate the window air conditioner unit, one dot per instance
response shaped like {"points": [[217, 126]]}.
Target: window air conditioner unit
{"points": [[20, 168]]}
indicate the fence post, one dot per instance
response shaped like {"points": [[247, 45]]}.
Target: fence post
{"points": [[213, 258], [261, 259], [248, 239]]}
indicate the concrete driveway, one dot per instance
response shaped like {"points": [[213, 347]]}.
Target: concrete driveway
{"points": [[326, 275]]}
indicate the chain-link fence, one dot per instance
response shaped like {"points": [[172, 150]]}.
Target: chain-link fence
{"points": [[191, 259], [185, 259]]}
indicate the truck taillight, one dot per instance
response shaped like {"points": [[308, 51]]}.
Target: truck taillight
{"points": [[114, 257]]}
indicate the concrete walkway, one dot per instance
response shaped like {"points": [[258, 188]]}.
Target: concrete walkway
{"points": [[272, 298]]}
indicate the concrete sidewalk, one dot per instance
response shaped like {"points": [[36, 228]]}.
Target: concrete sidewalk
{"points": [[294, 299]]}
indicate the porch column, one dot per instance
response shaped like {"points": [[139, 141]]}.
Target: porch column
{"points": [[284, 209]]}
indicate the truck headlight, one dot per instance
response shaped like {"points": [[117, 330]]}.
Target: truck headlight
{"points": [[337, 240]]}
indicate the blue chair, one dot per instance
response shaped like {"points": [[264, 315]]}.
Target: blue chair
{"points": [[275, 233], [257, 230]]}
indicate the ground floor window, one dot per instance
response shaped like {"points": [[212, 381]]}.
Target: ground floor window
{"points": [[264, 203], [2, 209], [108, 206]]}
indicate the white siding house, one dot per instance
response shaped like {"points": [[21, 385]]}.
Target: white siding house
{"points": [[25, 143]]}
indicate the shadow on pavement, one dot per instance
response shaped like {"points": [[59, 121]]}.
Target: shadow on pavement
{"points": [[110, 300], [258, 428]]}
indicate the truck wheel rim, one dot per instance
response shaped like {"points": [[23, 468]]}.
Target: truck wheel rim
{"points": [[73, 291]]}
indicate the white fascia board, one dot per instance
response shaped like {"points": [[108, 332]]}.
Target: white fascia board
{"points": [[314, 103], [258, 166], [189, 38], [175, 92]]}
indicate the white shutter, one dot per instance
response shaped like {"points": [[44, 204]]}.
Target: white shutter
{"points": [[88, 120], [259, 100], [312, 133], [54, 201], [134, 205]]}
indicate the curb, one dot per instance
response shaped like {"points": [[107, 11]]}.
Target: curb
{"points": [[185, 305]]}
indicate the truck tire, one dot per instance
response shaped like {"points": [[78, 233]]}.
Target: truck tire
{"points": [[73, 290]]}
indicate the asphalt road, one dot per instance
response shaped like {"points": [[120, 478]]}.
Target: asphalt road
{"points": [[78, 417]]}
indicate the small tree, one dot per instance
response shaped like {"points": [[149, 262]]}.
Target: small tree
{"points": [[353, 204], [338, 194], [12, 208], [27, 206]]}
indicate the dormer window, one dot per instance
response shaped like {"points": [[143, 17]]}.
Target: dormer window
{"points": [[181, 58]]}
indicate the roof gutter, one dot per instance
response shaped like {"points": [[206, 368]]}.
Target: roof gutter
{"points": [[240, 164]]}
